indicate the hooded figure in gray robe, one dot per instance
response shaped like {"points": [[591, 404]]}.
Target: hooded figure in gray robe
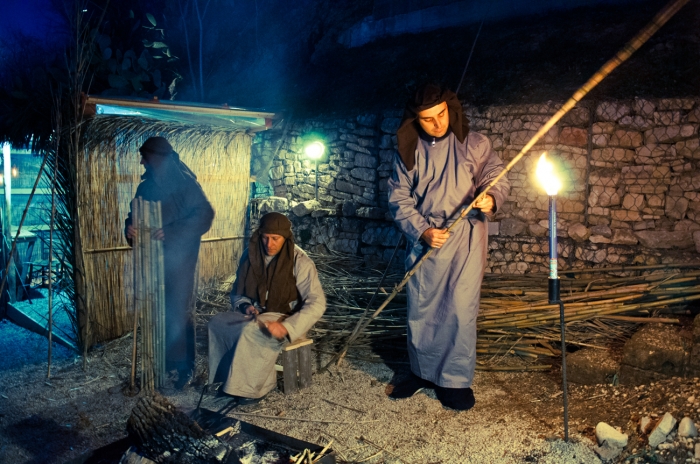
{"points": [[442, 167], [186, 215], [276, 299]]}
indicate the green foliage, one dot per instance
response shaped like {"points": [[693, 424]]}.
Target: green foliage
{"points": [[132, 74]]}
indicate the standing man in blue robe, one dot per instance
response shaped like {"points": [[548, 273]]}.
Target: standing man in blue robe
{"points": [[442, 167]]}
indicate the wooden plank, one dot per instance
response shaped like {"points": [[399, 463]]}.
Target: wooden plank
{"points": [[289, 366], [304, 366], [298, 344]]}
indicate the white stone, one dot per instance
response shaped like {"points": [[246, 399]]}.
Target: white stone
{"points": [[666, 446], [663, 428], [605, 433], [687, 428], [645, 424], [697, 450]]}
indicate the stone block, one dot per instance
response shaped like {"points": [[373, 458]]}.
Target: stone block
{"points": [[636, 122], [665, 239], [654, 351], [643, 107], [390, 125], [305, 208], [689, 180], [612, 155], [589, 366], [371, 213], [368, 120], [605, 177], [611, 111], [578, 116], [626, 139], [364, 174], [600, 140], [633, 202], [689, 148], [603, 196], [512, 226], [625, 215], [667, 118], [578, 232], [666, 134], [666, 104], [574, 136], [348, 187], [624, 237]]}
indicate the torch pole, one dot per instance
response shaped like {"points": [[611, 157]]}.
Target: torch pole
{"points": [[554, 298]]}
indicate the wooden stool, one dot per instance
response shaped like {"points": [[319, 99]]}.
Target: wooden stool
{"points": [[296, 365]]}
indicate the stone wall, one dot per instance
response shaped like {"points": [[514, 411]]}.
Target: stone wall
{"points": [[631, 184]]}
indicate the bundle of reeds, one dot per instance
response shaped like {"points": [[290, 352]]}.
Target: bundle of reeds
{"points": [[149, 294], [517, 328], [515, 321]]}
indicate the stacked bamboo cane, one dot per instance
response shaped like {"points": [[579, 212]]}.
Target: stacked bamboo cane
{"points": [[149, 291], [517, 328]]}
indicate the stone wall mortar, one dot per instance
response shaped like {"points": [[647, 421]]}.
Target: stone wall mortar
{"points": [[631, 174]]}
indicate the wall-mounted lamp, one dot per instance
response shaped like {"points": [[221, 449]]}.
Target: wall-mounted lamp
{"points": [[314, 151]]}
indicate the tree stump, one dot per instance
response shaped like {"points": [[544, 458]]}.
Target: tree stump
{"points": [[165, 435]]}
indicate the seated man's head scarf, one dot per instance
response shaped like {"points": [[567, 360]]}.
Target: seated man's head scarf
{"points": [[272, 285], [426, 97]]}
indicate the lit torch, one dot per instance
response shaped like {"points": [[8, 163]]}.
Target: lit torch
{"points": [[552, 184]]}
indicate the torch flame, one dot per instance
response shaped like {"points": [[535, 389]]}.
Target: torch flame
{"points": [[546, 176]]}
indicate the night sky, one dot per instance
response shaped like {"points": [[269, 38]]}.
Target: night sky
{"points": [[29, 17]]}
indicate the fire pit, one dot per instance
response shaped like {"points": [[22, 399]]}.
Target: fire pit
{"points": [[160, 433]]}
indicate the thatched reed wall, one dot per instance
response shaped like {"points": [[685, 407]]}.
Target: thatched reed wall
{"points": [[107, 177]]}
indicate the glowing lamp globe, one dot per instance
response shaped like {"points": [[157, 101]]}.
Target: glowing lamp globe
{"points": [[314, 150]]}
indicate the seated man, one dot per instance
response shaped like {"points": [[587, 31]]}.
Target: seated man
{"points": [[276, 298]]}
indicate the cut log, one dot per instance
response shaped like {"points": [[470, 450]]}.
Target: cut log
{"points": [[165, 435]]}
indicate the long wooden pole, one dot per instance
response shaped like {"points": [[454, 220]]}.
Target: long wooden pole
{"points": [[136, 268], [50, 271], [633, 45]]}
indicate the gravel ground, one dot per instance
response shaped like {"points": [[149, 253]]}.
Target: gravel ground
{"points": [[517, 417], [58, 419]]}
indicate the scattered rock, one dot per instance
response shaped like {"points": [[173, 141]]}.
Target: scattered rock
{"points": [[687, 428], [607, 452], [605, 433], [662, 429], [646, 425]]}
